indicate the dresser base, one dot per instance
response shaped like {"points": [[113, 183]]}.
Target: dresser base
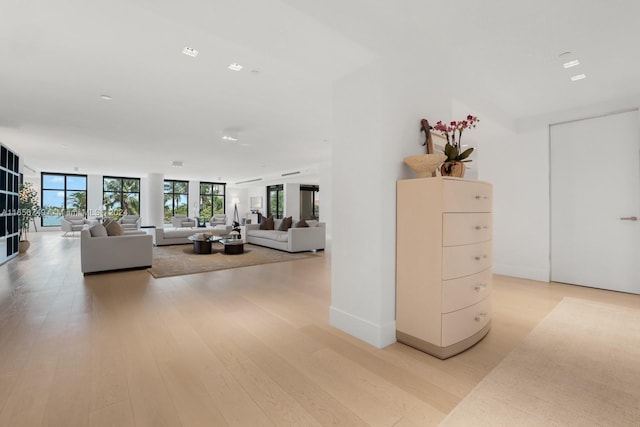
{"points": [[443, 352]]}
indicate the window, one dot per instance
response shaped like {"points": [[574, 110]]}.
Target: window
{"points": [[120, 196], [309, 202], [275, 200], [176, 199], [212, 199], [62, 193]]}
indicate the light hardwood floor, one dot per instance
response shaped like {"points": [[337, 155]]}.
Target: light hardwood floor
{"points": [[247, 347]]}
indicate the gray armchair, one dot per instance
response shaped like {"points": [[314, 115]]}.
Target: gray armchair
{"points": [[130, 222], [218, 219], [72, 223], [179, 221]]}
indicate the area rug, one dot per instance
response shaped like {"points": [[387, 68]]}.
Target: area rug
{"points": [[579, 367], [177, 260]]}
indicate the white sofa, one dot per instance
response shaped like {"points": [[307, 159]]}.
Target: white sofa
{"points": [[179, 236], [114, 252], [293, 240]]}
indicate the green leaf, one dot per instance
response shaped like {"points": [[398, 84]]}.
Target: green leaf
{"points": [[447, 149], [466, 153], [453, 153]]}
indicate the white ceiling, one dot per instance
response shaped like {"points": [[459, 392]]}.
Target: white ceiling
{"points": [[58, 57]]}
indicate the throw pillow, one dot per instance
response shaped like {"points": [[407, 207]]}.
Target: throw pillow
{"points": [[301, 224], [98, 230], [114, 229], [285, 224], [107, 221], [312, 223], [267, 224], [76, 221]]}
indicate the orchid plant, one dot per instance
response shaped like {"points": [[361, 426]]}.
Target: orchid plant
{"points": [[453, 148]]}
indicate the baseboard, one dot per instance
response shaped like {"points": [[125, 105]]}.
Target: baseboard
{"points": [[539, 274], [379, 336]]}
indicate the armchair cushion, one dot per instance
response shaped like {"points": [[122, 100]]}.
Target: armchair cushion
{"points": [[267, 224], [285, 224], [114, 229], [98, 230]]}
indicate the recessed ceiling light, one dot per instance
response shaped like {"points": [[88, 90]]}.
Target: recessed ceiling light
{"points": [[564, 54], [106, 97], [235, 66], [571, 63], [229, 138], [578, 77], [190, 51], [176, 164]]}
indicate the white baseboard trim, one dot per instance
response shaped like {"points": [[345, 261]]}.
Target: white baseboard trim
{"points": [[539, 274], [378, 336]]}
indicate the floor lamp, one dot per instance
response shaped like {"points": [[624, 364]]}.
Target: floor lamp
{"points": [[236, 217]]}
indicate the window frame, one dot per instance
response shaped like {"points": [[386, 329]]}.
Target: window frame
{"points": [[121, 193], [314, 189], [173, 197], [212, 197], [279, 211], [66, 190]]}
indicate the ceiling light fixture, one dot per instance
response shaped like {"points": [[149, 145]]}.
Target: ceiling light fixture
{"points": [[106, 97], [571, 63], [176, 164], [229, 138], [235, 66], [190, 51], [578, 77]]}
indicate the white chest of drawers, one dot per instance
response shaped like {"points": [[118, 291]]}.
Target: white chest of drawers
{"points": [[443, 263]]}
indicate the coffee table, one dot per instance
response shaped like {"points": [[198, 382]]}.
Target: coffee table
{"points": [[233, 246], [202, 245]]}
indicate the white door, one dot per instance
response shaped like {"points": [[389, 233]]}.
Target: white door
{"points": [[595, 202]]}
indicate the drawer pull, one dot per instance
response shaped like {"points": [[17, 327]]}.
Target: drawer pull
{"points": [[478, 258], [482, 197], [484, 227], [480, 287], [481, 316]]}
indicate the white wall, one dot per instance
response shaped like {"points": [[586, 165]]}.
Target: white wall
{"points": [[326, 197], [377, 112], [517, 165], [292, 200]]}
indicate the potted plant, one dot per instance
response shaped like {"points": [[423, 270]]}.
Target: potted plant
{"points": [[456, 157], [28, 210], [425, 165]]}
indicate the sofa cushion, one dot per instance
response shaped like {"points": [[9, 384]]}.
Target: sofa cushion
{"points": [[267, 224], [76, 221], [126, 220], [278, 236], [98, 230], [312, 223], [114, 229], [301, 224], [285, 224]]}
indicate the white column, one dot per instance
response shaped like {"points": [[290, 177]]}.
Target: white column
{"points": [[292, 201], [152, 203], [377, 112]]}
